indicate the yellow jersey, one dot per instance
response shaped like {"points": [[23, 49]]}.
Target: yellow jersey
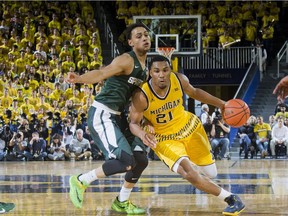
{"points": [[167, 115]]}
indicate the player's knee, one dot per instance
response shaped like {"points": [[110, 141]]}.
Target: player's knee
{"points": [[141, 160], [210, 171], [211, 174], [125, 163], [141, 164], [127, 160]]}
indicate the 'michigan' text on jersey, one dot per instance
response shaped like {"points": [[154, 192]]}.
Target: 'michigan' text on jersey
{"points": [[167, 115]]}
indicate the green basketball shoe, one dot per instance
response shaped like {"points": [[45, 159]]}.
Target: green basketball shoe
{"points": [[6, 207], [77, 189], [126, 207]]}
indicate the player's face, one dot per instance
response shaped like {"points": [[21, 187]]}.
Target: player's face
{"points": [[140, 39], [160, 73]]}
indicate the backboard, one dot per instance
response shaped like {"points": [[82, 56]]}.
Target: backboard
{"points": [[183, 32]]}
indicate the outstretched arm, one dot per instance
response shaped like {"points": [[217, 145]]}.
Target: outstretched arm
{"points": [[281, 89], [138, 105], [199, 94], [121, 65]]}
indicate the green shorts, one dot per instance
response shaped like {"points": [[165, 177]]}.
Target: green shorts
{"points": [[107, 134]]}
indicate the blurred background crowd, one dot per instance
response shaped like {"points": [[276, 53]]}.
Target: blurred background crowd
{"points": [[42, 117]]}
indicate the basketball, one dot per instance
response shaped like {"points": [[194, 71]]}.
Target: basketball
{"points": [[236, 112]]}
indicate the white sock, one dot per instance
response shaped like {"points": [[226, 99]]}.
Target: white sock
{"points": [[124, 194], [88, 177], [224, 194]]}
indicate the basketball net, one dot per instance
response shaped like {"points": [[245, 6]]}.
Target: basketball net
{"points": [[166, 51]]}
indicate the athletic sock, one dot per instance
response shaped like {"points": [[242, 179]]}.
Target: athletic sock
{"points": [[124, 194], [88, 177], [224, 194]]}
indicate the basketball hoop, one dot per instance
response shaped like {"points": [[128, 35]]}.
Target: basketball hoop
{"points": [[166, 51]]}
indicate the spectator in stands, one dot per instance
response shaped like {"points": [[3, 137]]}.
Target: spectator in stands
{"points": [[68, 63], [250, 32], [262, 56], [246, 138], [6, 134], [262, 131], [286, 122], [204, 113], [63, 84], [24, 127], [36, 148], [2, 149], [220, 132], [267, 31], [80, 147], [16, 147], [212, 36], [57, 150], [54, 24], [95, 151], [68, 131], [282, 113], [226, 40], [42, 129], [272, 121], [6, 99], [208, 127], [279, 136]]}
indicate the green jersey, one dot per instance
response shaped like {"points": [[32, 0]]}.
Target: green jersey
{"points": [[117, 90]]}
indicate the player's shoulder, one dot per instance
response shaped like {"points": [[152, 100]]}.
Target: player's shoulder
{"points": [[124, 58]]}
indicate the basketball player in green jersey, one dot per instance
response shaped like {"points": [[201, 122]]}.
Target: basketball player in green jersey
{"points": [[122, 77], [178, 136]]}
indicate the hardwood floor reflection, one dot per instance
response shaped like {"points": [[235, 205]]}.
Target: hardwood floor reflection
{"points": [[41, 188]]}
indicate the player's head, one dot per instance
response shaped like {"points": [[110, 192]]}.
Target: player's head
{"points": [[131, 27], [158, 58], [160, 70], [138, 36]]}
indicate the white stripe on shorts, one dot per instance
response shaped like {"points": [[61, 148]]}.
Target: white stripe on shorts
{"points": [[103, 125]]}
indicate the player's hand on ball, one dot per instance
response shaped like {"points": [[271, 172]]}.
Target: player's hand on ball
{"points": [[149, 128]]}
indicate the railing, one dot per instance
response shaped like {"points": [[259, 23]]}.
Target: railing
{"points": [[246, 79], [212, 58], [215, 58], [108, 34], [280, 54]]}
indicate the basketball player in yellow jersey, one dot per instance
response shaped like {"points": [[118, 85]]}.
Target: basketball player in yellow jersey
{"points": [[177, 136]]}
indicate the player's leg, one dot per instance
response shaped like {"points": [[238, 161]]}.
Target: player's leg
{"points": [[122, 203], [117, 151], [202, 182], [199, 152]]}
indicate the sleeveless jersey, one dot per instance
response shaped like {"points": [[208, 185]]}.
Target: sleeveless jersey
{"points": [[117, 90], [168, 116]]}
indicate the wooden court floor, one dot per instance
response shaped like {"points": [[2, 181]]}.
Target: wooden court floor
{"points": [[41, 188]]}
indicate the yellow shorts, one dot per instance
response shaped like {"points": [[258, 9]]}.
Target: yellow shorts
{"points": [[196, 147]]}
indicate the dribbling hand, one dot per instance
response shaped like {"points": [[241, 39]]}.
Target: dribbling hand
{"points": [[281, 89]]}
